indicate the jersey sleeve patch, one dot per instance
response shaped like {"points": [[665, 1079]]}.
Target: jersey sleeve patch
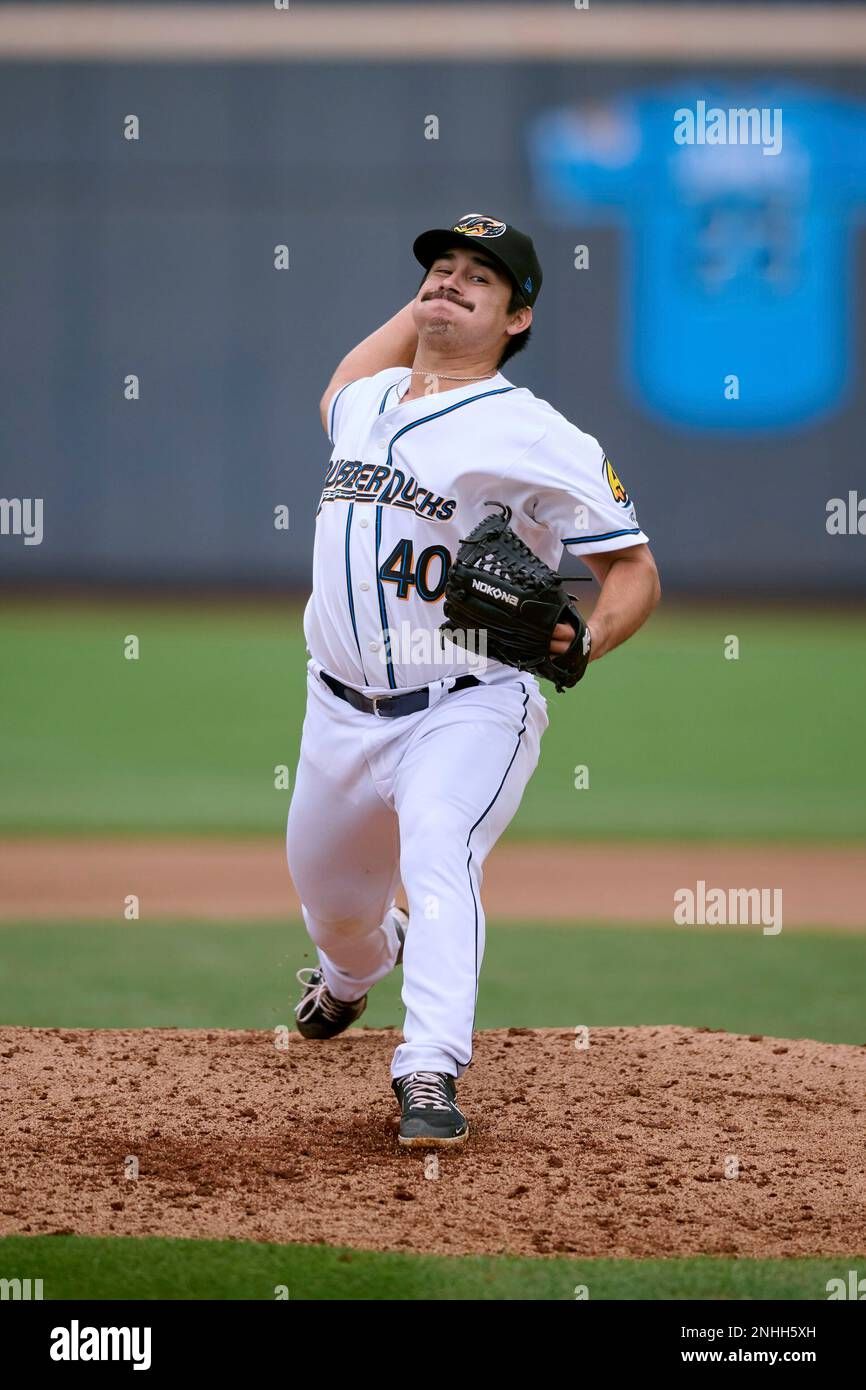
{"points": [[617, 488], [574, 490]]}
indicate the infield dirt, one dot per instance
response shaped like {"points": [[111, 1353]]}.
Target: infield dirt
{"points": [[247, 880], [648, 1142]]}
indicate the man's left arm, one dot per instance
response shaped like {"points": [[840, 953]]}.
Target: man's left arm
{"points": [[630, 590]]}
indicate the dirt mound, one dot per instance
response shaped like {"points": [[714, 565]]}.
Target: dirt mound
{"points": [[621, 1148]]}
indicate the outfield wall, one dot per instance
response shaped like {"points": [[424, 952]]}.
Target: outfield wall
{"points": [[155, 257]]}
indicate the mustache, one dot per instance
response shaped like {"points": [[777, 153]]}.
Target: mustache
{"points": [[445, 294]]}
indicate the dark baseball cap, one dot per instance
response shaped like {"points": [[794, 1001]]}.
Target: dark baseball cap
{"points": [[513, 249]]}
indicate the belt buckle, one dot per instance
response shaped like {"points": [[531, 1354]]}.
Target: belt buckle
{"points": [[376, 710]]}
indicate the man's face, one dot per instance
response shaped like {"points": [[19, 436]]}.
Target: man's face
{"points": [[462, 305]]}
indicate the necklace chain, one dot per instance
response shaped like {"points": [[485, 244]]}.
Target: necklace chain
{"points": [[446, 377]]}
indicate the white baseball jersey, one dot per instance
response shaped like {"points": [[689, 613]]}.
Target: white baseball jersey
{"points": [[406, 482]]}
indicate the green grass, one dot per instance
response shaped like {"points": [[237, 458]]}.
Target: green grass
{"points": [[797, 984], [185, 738], [74, 1267], [679, 742]]}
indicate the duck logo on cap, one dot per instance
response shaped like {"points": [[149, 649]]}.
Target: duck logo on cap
{"points": [[476, 224]]}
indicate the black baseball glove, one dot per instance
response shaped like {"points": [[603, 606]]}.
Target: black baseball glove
{"points": [[498, 586]]}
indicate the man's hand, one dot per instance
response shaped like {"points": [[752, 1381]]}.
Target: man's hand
{"points": [[563, 636]]}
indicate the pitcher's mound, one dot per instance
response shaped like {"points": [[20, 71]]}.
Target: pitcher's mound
{"points": [[647, 1141]]}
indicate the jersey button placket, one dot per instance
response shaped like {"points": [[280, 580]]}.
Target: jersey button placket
{"points": [[373, 646]]}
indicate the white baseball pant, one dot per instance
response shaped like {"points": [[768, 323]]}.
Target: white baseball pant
{"points": [[422, 798]]}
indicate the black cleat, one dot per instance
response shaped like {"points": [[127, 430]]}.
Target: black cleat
{"points": [[430, 1116], [319, 1014]]}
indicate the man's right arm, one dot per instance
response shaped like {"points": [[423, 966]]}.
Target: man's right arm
{"points": [[392, 345]]}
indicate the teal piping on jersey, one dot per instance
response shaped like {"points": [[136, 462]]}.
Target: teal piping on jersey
{"points": [[349, 531], [413, 424], [604, 536], [383, 612], [386, 395], [349, 589], [458, 405], [491, 804], [334, 409], [348, 535]]}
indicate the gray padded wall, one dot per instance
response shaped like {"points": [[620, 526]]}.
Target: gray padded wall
{"points": [[155, 257]]}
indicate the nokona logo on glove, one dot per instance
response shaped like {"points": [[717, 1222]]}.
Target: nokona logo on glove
{"points": [[492, 592], [513, 577]]}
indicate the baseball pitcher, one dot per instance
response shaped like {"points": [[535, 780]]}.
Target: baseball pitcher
{"points": [[448, 501]]}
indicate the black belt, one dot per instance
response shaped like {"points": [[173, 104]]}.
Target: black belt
{"points": [[391, 706]]}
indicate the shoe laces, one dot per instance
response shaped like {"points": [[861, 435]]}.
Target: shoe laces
{"points": [[425, 1090], [318, 997]]}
